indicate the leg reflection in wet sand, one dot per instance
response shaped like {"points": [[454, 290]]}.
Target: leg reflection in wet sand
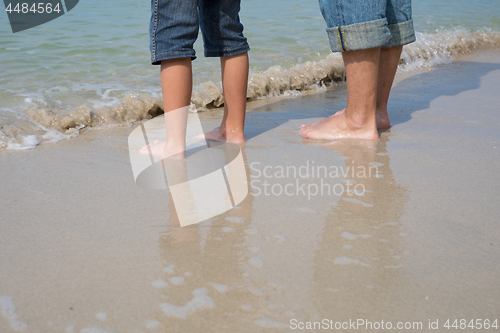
{"points": [[204, 280], [358, 259]]}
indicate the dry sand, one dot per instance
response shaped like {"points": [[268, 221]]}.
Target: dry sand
{"points": [[84, 249]]}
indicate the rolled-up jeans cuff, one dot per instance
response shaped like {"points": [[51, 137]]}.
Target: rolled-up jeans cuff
{"points": [[228, 52], [359, 36], [402, 34]]}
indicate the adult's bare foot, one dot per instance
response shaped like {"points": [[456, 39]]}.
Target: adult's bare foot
{"points": [[382, 117], [338, 126]]}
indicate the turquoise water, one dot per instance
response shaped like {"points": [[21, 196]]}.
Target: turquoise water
{"points": [[97, 54]]}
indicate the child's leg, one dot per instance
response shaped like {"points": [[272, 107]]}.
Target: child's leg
{"points": [[176, 84], [234, 71], [223, 38]]}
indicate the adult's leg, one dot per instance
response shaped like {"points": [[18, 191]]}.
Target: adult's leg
{"points": [[388, 65], [359, 119]]}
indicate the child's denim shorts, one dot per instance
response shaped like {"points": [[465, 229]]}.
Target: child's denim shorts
{"points": [[363, 24], [175, 24]]}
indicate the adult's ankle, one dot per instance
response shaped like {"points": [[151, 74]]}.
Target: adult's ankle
{"points": [[360, 120]]}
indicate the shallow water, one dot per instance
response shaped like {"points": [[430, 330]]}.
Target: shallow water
{"points": [[78, 70]]}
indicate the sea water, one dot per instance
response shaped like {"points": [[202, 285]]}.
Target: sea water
{"points": [[91, 67]]}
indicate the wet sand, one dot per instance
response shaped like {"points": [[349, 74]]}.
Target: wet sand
{"points": [[84, 249]]}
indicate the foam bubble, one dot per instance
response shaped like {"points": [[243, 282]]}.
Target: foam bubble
{"points": [[269, 323], [199, 301], [305, 209], [256, 262], [177, 280], [349, 261], [27, 142], [354, 200], [9, 312], [254, 248], [160, 284], [101, 316], [93, 330], [255, 291], [277, 238], [153, 324], [169, 269], [348, 235], [221, 287], [346, 261], [235, 219]]}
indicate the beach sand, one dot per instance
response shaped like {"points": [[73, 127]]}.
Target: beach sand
{"points": [[84, 249]]}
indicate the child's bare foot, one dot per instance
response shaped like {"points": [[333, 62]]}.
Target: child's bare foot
{"points": [[163, 150], [338, 126], [224, 135]]}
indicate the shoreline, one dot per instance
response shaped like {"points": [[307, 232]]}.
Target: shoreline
{"points": [[32, 124]]}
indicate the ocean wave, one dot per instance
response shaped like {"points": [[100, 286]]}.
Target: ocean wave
{"points": [[35, 124]]}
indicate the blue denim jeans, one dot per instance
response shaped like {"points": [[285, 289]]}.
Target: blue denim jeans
{"points": [[363, 24], [175, 24]]}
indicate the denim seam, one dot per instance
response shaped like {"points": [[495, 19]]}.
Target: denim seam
{"points": [[342, 38], [338, 38], [155, 29]]}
